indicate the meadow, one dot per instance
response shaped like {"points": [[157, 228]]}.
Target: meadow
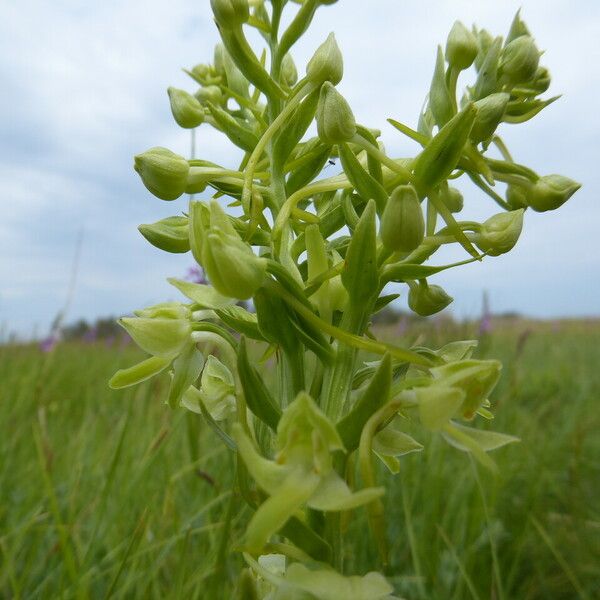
{"points": [[112, 494]]}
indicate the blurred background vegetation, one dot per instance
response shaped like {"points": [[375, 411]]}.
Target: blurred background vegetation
{"points": [[108, 493]]}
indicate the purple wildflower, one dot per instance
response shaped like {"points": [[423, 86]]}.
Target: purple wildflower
{"points": [[485, 324], [48, 343], [196, 275]]}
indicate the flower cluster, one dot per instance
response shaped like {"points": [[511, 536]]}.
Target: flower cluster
{"points": [[315, 255]]}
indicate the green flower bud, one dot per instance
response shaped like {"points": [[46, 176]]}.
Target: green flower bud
{"points": [[289, 73], [516, 196], [210, 93], [519, 60], [230, 13], [500, 233], [452, 198], [335, 121], [170, 234], [327, 63], [484, 42], [159, 337], [187, 111], [426, 300], [550, 192], [490, 111], [219, 59], [441, 155], [477, 378], [200, 71], [461, 47], [163, 172], [402, 224], [232, 268]]}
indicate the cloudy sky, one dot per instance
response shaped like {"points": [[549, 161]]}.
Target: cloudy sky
{"points": [[84, 89]]}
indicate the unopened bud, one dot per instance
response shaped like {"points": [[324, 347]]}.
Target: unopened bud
{"points": [[426, 299], [163, 172], [550, 192], [210, 93], [452, 198], [516, 196], [170, 234], [327, 63], [461, 47], [490, 111], [402, 224], [519, 60], [230, 13], [187, 111], [500, 233], [289, 73], [335, 121], [541, 80]]}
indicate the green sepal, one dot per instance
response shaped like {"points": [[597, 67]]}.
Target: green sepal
{"points": [[258, 397], [241, 320], [159, 337], [391, 442], [372, 398], [170, 234], [364, 183], [476, 442], [437, 405], [186, 369], [440, 157], [440, 101], [238, 133], [205, 296], [137, 373], [199, 221], [521, 112], [476, 377], [360, 275]]}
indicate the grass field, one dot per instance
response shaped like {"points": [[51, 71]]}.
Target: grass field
{"points": [[111, 494]]}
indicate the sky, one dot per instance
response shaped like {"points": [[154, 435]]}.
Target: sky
{"points": [[84, 90]]}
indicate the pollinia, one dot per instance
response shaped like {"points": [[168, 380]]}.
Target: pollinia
{"points": [[315, 250]]}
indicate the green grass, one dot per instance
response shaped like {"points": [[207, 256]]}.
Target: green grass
{"points": [[111, 494]]}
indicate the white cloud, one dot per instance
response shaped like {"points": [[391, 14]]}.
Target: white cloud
{"points": [[84, 90]]}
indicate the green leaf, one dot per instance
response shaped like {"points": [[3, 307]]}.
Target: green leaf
{"points": [[137, 373], [258, 397], [241, 135], [372, 398], [365, 185], [360, 276]]}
